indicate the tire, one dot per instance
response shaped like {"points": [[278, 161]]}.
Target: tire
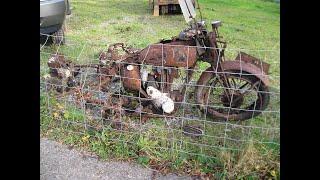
{"points": [[68, 8], [58, 37], [233, 113]]}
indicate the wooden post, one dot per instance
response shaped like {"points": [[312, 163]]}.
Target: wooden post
{"points": [[156, 8]]}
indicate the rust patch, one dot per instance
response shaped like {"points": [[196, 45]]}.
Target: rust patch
{"points": [[160, 54], [252, 60], [131, 78], [246, 67]]}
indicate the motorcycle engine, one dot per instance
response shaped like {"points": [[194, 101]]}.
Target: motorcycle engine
{"points": [[163, 94]]}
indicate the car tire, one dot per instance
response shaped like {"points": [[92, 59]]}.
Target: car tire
{"points": [[58, 37], [68, 8]]}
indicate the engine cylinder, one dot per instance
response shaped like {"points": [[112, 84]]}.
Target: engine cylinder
{"points": [[130, 76]]}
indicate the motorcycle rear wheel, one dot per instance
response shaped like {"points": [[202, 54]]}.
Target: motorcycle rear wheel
{"points": [[213, 100]]}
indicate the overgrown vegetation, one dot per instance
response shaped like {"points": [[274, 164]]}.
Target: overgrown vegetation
{"points": [[250, 25]]}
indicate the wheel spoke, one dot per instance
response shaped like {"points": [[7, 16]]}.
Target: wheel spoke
{"points": [[234, 83], [246, 91], [243, 85], [237, 84]]}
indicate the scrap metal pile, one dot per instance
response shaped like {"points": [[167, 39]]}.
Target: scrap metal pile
{"points": [[123, 83]]}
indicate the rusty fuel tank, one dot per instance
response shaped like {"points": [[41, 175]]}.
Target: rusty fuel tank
{"points": [[175, 54]]}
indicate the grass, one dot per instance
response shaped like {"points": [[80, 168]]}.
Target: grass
{"points": [[252, 26]]}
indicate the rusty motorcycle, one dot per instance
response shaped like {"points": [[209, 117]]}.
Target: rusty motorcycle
{"points": [[228, 89], [222, 90]]}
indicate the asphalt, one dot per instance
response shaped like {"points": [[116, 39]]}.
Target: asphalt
{"points": [[57, 161]]}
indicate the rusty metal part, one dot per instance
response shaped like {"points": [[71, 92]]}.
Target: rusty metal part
{"points": [[105, 84], [252, 60], [103, 55], [58, 62], [113, 53], [113, 108], [245, 68], [173, 74], [131, 78], [237, 100], [175, 54], [105, 74], [167, 77], [107, 71], [248, 112], [212, 55], [176, 96]]}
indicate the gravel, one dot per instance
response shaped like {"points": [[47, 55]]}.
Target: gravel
{"points": [[59, 162]]}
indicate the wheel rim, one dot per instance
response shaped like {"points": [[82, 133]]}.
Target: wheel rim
{"points": [[245, 96]]}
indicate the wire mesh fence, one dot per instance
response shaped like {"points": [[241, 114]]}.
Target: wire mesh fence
{"points": [[162, 97]]}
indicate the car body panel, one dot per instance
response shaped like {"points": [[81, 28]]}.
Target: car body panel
{"points": [[52, 15]]}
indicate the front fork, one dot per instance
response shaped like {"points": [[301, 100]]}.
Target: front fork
{"points": [[222, 77]]}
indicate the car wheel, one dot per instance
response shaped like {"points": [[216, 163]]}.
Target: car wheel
{"points": [[58, 37], [68, 8]]}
